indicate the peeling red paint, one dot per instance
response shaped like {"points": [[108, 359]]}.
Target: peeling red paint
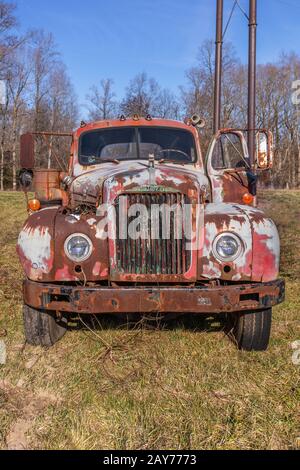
{"points": [[220, 197], [65, 275], [97, 269]]}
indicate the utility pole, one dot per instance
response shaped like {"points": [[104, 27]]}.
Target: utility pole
{"points": [[218, 67], [252, 79]]}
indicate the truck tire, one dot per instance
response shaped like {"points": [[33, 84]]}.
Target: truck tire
{"points": [[251, 331], [41, 328]]}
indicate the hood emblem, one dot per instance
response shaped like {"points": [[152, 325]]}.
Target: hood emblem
{"points": [[151, 160], [154, 188], [152, 169]]}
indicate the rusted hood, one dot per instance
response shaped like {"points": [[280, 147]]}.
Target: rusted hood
{"points": [[108, 180], [259, 261]]}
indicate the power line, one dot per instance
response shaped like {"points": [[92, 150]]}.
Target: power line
{"points": [[236, 4], [230, 17], [242, 10]]}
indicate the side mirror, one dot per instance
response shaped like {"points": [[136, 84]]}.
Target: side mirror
{"points": [[26, 179], [264, 150], [27, 152]]}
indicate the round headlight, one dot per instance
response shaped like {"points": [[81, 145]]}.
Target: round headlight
{"points": [[228, 247], [78, 247]]}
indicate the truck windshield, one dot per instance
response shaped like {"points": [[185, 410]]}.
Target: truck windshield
{"points": [[132, 143]]}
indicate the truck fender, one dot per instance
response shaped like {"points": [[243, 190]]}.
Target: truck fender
{"points": [[261, 255], [266, 247], [35, 245]]}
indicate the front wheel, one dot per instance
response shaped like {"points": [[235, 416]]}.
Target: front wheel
{"points": [[251, 330], [42, 328]]}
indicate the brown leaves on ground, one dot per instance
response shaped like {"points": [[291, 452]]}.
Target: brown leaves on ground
{"points": [[26, 406], [119, 385]]}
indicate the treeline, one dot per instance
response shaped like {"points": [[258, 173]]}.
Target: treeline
{"points": [[39, 96], [36, 93]]}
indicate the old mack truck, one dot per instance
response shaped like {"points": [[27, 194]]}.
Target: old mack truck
{"points": [[142, 222], [76, 260]]}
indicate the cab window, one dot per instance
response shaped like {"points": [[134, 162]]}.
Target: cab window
{"points": [[229, 153]]}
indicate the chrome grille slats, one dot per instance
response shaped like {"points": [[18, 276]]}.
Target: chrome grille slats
{"points": [[154, 256]]}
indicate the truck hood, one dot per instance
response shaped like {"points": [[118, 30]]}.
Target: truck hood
{"points": [[105, 182]]}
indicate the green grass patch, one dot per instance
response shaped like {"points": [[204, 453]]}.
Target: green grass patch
{"points": [[184, 386]]}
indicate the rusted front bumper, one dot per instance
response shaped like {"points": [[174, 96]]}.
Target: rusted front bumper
{"points": [[206, 300]]}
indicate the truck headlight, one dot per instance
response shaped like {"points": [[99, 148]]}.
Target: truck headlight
{"points": [[78, 247], [227, 247]]}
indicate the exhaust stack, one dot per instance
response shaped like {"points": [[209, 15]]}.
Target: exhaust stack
{"points": [[252, 79], [218, 67], [251, 74]]}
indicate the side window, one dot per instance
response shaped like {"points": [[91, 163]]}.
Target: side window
{"points": [[229, 152]]}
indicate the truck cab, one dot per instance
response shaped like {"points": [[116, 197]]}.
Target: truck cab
{"points": [[142, 223]]}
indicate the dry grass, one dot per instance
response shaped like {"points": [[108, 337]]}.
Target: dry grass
{"points": [[182, 386]]}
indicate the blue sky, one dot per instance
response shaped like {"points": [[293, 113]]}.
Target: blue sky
{"points": [[117, 39]]}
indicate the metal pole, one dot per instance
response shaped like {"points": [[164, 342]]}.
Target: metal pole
{"points": [[218, 67], [252, 79]]}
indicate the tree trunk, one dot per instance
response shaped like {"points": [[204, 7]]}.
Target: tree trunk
{"points": [[14, 151], [2, 155], [50, 152], [2, 168], [2, 146]]}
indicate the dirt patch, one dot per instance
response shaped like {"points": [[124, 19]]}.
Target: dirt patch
{"points": [[181, 387], [16, 439], [29, 406]]}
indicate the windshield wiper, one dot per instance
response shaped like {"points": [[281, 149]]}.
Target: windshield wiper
{"points": [[167, 160], [92, 160], [110, 160]]}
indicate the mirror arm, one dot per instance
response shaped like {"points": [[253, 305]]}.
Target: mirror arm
{"points": [[252, 182]]}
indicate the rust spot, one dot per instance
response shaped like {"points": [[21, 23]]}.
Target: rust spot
{"points": [[148, 275]]}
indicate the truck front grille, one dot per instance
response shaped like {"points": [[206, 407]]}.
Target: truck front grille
{"points": [[154, 255]]}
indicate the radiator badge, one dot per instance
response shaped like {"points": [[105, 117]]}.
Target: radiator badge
{"points": [[154, 188]]}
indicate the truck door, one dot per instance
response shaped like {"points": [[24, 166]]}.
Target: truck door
{"points": [[228, 168]]}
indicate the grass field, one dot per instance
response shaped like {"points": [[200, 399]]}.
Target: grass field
{"points": [[181, 386]]}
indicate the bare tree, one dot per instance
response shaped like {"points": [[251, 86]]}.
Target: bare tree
{"points": [[8, 22], [197, 95], [8, 41], [102, 101], [62, 111], [166, 105], [276, 111], [145, 96], [39, 95], [4, 123], [17, 87], [141, 96], [44, 58]]}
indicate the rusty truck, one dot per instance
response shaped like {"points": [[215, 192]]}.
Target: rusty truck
{"points": [[77, 261], [144, 222]]}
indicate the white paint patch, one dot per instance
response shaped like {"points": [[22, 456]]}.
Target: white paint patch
{"points": [[210, 231], [47, 209], [212, 271], [237, 277], [77, 169], [36, 247], [102, 231], [222, 208], [91, 222], [268, 228], [72, 219]]}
